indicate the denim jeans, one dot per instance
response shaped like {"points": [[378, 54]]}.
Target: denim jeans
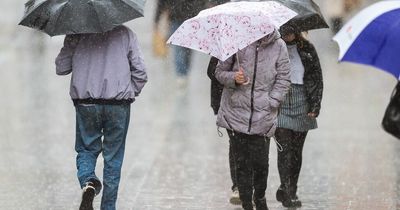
{"points": [[182, 55], [93, 122]]}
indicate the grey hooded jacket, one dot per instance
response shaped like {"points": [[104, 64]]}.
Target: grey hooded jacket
{"points": [[252, 109], [104, 66]]}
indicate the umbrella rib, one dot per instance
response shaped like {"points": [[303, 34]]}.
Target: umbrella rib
{"points": [[98, 19], [137, 6], [59, 14], [33, 11]]}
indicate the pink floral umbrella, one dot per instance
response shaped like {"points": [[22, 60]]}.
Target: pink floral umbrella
{"points": [[223, 30]]}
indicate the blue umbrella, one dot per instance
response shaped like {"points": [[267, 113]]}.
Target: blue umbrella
{"points": [[372, 37]]}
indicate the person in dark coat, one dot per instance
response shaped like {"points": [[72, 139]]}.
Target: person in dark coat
{"points": [[298, 113], [216, 94], [177, 12], [215, 99]]}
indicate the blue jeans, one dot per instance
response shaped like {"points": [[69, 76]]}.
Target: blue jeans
{"points": [[182, 55], [92, 123]]}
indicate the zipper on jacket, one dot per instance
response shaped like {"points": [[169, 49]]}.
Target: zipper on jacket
{"points": [[253, 86]]}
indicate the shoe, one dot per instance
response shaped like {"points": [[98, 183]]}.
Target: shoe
{"points": [[280, 194], [87, 197], [291, 203], [182, 82], [235, 198], [247, 206], [261, 204], [285, 199]]}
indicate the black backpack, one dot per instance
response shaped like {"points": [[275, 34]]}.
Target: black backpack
{"points": [[216, 87]]}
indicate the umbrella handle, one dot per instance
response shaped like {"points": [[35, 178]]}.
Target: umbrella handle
{"points": [[237, 59], [238, 63]]}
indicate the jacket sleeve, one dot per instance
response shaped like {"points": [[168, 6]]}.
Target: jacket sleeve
{"points": [[315, 77], [282, 79], [64, 58], [136, 63], [224, 73]]}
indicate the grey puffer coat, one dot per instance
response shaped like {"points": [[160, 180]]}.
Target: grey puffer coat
{"points": [[252, 109]]}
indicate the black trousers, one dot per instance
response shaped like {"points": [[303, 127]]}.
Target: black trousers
{"points": [[232, 163], [290, 159], [250, 154]]}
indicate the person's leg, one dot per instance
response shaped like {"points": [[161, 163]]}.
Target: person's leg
{"points": [[244, 170], [88, 147], [337, 24], [235, 198], [232, 163], [259, 147], [182, 56], [297, 148], [286, 166], [88, 143], [116, 122], [284, 137]]}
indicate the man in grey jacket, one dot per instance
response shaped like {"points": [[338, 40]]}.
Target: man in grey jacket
{"points": [[108, 72], [254, 86]]}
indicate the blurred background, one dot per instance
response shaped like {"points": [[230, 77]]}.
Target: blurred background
{"points": [[174, 157]]}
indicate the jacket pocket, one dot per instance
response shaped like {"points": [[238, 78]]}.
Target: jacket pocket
{"points": [[227, 122], [239, 100]]}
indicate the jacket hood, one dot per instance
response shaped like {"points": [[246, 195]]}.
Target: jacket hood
{"points": [[266, 40]]}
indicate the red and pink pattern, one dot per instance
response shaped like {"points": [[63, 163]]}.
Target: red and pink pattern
{"points": [[223, 30]]}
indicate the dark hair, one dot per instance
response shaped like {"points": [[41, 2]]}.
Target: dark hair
{"points": [[290, 28], [300, 39]]}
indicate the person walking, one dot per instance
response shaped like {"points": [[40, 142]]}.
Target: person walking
{"points": [[215, 99], [338, 10], [298, 113], [108, 73], [255, 84], [177, 12]]}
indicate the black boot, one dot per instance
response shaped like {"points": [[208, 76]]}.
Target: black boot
{"points": [[287, 200], [247, 205], [280, 194], [261, 204]]}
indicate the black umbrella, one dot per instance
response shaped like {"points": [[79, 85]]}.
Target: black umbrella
{"points": [[309, 14], [57, 17]]}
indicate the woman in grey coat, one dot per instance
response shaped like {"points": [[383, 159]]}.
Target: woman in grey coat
{"points": [[298, 112], [249, 106]]}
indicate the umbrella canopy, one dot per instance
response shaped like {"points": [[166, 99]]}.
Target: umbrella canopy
{"points": [[223, 30], [372, 37], [58, 17], [309, 14]]}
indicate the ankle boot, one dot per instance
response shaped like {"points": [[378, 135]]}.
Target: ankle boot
{"points": [[247, 205], [261, 204], [287, 200]]}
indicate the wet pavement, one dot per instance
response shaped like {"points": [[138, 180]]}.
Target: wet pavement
{"points": [[174, 157]]}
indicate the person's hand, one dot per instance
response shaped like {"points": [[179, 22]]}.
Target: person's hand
{"points": [[312, 115], [240, 78]]}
